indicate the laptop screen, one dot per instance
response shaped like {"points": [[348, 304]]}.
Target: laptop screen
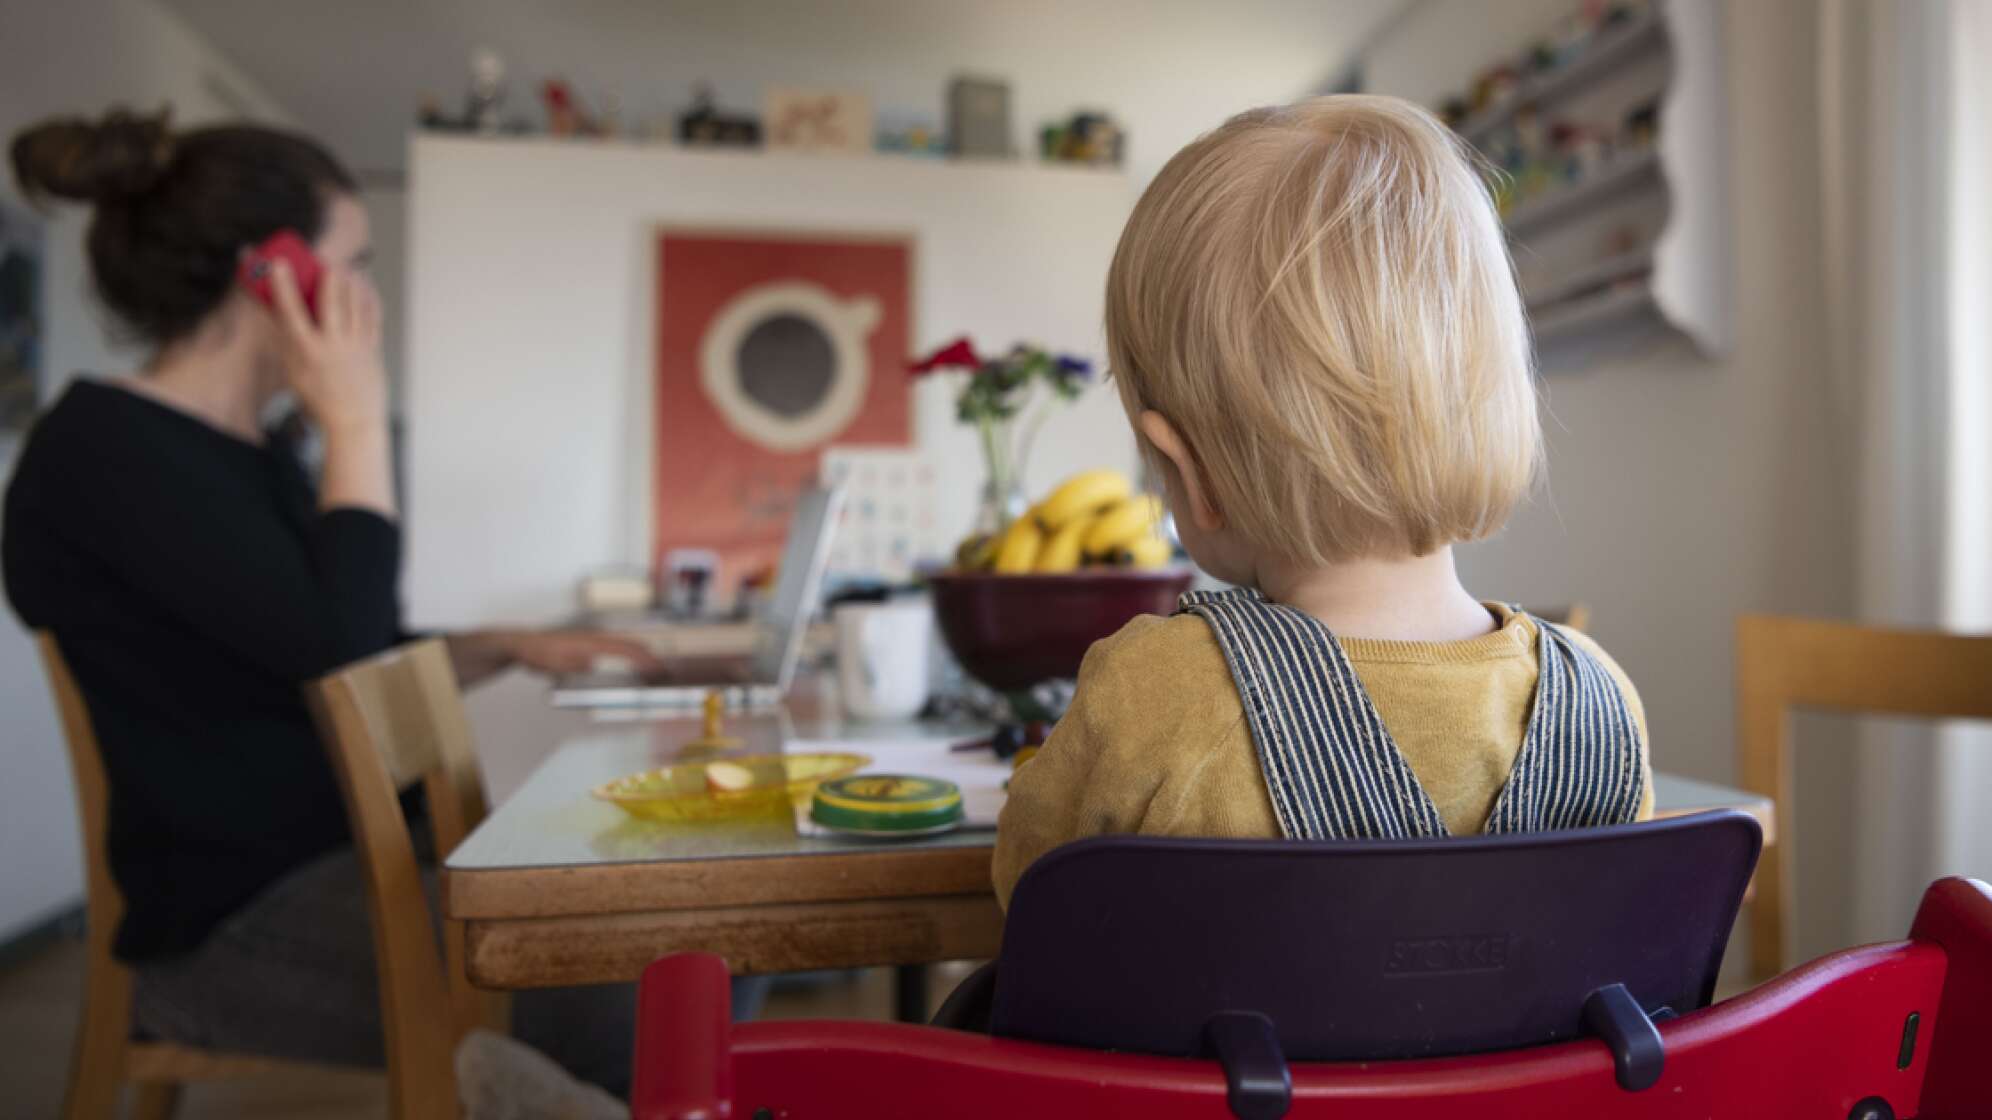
{"points": [[798, 585]]}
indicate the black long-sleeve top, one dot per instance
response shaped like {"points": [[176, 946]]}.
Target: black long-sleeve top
{"points": [[193, 585]]}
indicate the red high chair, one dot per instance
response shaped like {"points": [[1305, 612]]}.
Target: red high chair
{"points": [[1493, 977]]}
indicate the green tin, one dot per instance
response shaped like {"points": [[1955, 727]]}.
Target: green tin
{"points": [[887, 805]]}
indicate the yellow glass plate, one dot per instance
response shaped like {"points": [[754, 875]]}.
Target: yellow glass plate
{"points": [[678, 792]]}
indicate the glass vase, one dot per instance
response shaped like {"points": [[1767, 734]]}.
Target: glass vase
{"points": [[1002, 503]]}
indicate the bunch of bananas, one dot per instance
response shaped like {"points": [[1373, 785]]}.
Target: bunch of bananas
{"points": [[1093, 518]]}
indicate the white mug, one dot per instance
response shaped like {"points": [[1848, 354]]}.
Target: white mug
{"points": [[882, 657]]}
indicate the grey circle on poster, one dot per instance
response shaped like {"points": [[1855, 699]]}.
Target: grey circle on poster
{"points": [[787, 364]]}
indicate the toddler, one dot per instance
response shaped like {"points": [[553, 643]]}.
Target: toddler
{"points": [[1314, 326]]}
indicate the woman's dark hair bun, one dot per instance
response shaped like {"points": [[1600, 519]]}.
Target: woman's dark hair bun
{"points": [[119, 156], [172, 211]]}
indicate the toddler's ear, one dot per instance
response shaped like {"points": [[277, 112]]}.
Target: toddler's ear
{"points": [[1163, 435]]}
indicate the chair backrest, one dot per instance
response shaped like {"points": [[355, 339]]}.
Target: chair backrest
{"points": [[1885, 1030], [1368, 949], [1783, 663], [389, 722], [104, 902]]}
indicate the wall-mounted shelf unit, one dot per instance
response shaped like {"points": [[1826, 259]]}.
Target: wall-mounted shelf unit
{"points": [[1641, 34], [1618, 268], [1639, 239], [1577, 316], [1629, 171]]}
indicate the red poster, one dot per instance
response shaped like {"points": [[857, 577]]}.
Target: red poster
{"points": [[770, 347]]}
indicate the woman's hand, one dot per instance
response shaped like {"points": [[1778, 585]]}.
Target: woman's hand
{"points": [[334, 367], [557, 652], [334, 364], [485, 653]]}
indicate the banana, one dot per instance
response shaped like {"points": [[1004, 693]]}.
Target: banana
{"points": [[1018, 550], [1125, 521], [1085, 493], [976, 553], [1061, 550], [1143, 552]]}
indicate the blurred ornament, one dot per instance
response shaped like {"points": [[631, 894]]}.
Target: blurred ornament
{"points": [[564, 114], [910, 133], [979, 118], [704, 125], [1088, 137], [484, 110], [817, 120]]}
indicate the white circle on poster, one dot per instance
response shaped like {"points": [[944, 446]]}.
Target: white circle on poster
{"points": [[787, 363]]}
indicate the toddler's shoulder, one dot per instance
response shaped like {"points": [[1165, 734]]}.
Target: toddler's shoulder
{"points": [[1590, 645], [1157, 661], [1150, 642]]}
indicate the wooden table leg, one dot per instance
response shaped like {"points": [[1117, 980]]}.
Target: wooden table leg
{"points": [[909, 993]]}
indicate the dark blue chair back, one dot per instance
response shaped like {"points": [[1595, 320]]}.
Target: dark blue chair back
{"points": [[1371, 949]]}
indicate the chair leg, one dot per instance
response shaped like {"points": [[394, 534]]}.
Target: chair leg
{"points": [[96, 1069], [91, 1096], [157, 1100]]}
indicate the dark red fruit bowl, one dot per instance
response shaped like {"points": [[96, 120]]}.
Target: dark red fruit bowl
{"points": [[1011, 632]]}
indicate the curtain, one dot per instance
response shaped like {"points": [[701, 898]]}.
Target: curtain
{"points": [[1908, 247]]}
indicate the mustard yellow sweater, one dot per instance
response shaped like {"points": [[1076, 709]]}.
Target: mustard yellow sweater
{"points": [[1156, 740]]}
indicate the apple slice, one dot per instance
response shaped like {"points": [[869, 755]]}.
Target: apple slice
{"points": [[727, 777]]}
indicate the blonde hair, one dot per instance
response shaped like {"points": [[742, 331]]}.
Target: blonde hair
{"points": [[1319, 298]]}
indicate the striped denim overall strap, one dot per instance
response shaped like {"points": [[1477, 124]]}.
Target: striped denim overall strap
{"points": [[1580, 764], [1331, 768]]}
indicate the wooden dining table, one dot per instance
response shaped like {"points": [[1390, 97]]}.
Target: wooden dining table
{"points": [[558, 888]]}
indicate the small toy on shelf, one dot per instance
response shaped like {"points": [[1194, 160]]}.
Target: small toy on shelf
{"points": [[1494, 86], [909, 133], [818, 120], [429, 114], [979, 118], [564, 114], [704, 125], [484, 105], [1642, 123], [1088, 137], [484, 111]]}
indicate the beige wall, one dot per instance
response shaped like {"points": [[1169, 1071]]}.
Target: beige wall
{"points": [[1682, 490]]}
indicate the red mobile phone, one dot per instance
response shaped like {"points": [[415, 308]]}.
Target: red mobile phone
{"points": [[284, 245]]}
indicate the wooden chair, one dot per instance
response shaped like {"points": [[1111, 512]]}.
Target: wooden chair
{"points": [[389, 722], [1783, 663], [1576, 616], [107, 1058]]}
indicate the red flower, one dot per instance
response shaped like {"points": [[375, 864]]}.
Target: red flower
{"points": [[958, 354]]}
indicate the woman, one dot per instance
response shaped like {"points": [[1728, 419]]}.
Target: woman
{"points": [[195, 578]]}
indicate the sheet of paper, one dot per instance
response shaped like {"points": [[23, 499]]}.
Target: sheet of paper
{"points": [[980, 774]]}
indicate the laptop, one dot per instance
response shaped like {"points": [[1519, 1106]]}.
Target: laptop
{"points": [[757, 679]]}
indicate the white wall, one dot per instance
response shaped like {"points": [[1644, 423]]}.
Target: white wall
{"points": [[79, 56], [530, 311], [1683, 491]]}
